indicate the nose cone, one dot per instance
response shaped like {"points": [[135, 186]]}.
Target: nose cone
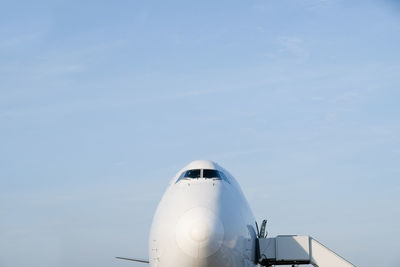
{"points": [[199, 233]]}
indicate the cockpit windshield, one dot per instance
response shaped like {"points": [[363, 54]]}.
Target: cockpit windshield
{"points": [[192, 174], [211, 174], [203, 173]]}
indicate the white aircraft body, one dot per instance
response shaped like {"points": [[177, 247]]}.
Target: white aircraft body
{"points": [[204, 220]]}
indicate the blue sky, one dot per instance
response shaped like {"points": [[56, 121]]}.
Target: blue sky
{"points": [[102, 102]]}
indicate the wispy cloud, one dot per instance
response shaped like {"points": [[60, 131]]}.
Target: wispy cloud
{"points": [[197, 92], [317, 98], [317, 4], [57, 68], [294, 46], [17, 40]]}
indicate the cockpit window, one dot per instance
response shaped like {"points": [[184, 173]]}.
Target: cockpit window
{"points": [[211, 174], [192, 174], [205, 173]]}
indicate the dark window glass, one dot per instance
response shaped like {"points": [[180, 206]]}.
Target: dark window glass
{"points": [[192, 174], [181, 176], [207, 174], [211, 173]]}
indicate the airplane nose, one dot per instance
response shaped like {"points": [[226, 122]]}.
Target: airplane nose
{"points": [[199, 233]]}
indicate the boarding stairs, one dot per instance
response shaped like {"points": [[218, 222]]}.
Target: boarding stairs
{"points": [[297, 250]]}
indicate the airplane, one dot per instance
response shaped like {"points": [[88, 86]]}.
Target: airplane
{"points": [[204, 220]]}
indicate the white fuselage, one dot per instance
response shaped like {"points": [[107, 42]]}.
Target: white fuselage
{"points": [[203, 222]]}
